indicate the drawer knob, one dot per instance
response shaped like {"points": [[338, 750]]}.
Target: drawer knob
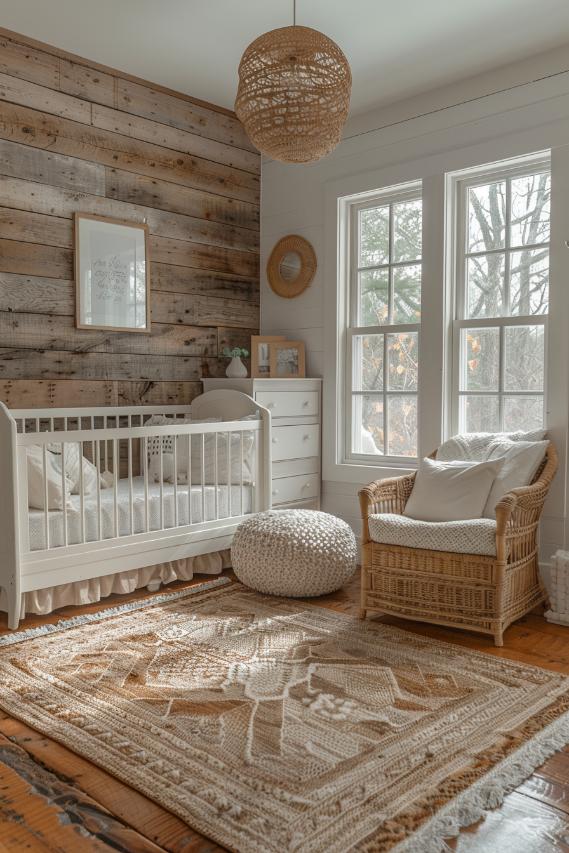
{"points": [[275, 492], [305, 437], [304, 403], [275, 440], [307, 485], [270, 405]]}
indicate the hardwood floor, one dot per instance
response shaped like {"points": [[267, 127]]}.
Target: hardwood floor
{"points": [[54, 800]]}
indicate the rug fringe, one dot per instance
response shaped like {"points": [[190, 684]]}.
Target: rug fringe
{"points": [[488, 793], [107, 613]]}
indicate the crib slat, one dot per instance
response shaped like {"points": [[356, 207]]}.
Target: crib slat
{"points": [[130, 493], [240, 473], [229, 474], [81, 493], [64, 493], [98, 464], [45, 497], [189, 439], [145, 472], [203, 476], [115, 485], [161, 475], [105, 460], [175, 455], [215, 480]]}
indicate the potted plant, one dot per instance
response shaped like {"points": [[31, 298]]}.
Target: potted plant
{"points": [[236, 369]]}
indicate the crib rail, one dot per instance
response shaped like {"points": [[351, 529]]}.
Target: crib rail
{"points": [[119, 476], [147, 479]]}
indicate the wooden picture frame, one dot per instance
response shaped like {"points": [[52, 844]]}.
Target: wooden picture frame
{"points": [[284, 364], [261, 360], [112, 274]]}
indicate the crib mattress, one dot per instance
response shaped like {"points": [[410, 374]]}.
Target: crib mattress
{"points": [[231, 501]]}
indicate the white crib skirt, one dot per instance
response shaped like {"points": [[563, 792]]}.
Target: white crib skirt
{"points": [[44, 601]]}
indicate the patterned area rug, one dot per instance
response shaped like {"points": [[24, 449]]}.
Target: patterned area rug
{"points": [[274, 725]]}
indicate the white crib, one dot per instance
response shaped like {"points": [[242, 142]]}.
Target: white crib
{"points": [[136, 520]]}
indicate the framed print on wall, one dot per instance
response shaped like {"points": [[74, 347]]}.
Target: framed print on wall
{"points": [[287, 360], [261, 355], [112, 274]]}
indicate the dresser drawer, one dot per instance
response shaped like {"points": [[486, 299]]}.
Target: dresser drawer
{"points": [[295, 442], [295, 467], [289, 404], [288, 489]]}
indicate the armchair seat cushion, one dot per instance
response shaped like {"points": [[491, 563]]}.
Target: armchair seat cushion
{"points": [[472, 536]]}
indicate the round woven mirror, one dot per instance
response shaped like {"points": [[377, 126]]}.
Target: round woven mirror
{"points": [[291, 266]]}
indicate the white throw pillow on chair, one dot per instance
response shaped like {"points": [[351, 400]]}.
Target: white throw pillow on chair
{"points": [[451, 491], [521, 462]]}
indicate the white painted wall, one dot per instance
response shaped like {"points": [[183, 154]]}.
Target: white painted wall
{"points": [[514, 110]]}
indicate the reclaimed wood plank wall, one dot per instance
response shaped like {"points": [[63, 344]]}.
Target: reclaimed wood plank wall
{"points": [[75, 136]]}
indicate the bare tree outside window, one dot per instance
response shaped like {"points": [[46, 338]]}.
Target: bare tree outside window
{"points": [[386, 282], [504, 302]]}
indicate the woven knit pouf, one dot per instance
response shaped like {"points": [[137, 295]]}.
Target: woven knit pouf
{"points": [[294, 552]]}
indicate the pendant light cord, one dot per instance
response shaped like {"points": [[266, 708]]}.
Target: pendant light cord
{"points": [[294, 13]]}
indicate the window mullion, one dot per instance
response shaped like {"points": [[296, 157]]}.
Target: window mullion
{"points": [[501, 368], [507, 307], [385, 379]]}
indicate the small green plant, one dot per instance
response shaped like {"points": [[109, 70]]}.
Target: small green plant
{"points": [[236, 352]]}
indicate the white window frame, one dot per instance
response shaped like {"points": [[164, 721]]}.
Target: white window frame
{"points": [[458, 185], [353, 205]]}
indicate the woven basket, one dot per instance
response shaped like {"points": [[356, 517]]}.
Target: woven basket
{"points": [[556, 579], [294, 94]]}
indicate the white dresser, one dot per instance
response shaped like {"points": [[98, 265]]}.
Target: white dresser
{"points": [[295, 406]]}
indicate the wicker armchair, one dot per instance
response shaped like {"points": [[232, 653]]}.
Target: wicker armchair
{"points": [[478, 593]]}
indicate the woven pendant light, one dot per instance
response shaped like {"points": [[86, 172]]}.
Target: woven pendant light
{"points": [[294, 94]]}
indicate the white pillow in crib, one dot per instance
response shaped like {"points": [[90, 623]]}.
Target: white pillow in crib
{"points": [[521, 462], [72, 471], [451, 491], [222, 457], [36, 490], [161, 444], [165, 445]]}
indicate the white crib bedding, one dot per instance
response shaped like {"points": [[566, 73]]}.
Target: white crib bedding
{"points": [[231, 501]]}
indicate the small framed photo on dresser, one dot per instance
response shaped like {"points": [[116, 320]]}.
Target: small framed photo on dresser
{"points": [[260, 355], [287, 360]]}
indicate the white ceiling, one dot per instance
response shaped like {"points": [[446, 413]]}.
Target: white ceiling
{"points": [[396, 49]]}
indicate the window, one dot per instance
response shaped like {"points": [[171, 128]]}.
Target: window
{"points": [[384, 264], [501, 298]]}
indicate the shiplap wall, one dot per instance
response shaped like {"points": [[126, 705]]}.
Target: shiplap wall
{"points": [[77, 137]]}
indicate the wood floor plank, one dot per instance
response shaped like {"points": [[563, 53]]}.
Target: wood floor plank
{"points": [[520, 826], [42, 811]]}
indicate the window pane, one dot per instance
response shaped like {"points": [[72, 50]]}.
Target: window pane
{"points": [[407, 230], [486, 217], [367, 424], [479, 414], [374, 236], [402, 426], [480, 359], [367, 360], [407, 294], [523, 413], [524, 357], [402, 357], [485, 286], [530, 209], [529, 282], [374, 297]]}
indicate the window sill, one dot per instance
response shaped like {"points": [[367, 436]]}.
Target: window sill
{"points": [[362, 472]]}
